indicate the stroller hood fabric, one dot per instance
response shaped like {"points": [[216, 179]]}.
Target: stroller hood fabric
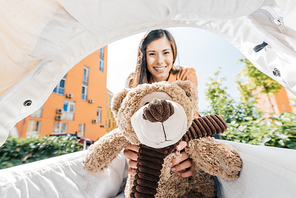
{"points": [[42, 40]]}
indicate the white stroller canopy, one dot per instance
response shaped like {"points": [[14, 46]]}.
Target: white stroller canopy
{"points": [[42, 40]]}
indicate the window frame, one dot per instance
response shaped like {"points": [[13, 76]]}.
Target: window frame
{"points": [[81, 133], [58, 89], [59, 132], [99, 115], [102, 53], [84, 94], [110, 99], [68, 114], [85, 77], [31, 133], [101, 65]]}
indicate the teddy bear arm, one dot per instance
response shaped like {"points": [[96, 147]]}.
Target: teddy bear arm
{"points": [[104, 151], [215, 158]]}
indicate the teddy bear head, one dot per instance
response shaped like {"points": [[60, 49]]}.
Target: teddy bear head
{"points": [[157, 114]]}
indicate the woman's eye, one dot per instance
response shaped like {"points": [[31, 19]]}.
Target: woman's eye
{"points": [[146, 103], [151, 54], [166, 52]]}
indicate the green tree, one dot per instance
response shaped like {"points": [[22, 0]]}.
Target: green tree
{"points": [[221, 103], [257, 79], [243, 86]]}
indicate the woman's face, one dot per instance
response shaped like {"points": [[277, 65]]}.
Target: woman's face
{"points": [[159, 56]]}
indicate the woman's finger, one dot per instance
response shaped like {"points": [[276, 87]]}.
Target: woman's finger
{"points": [[180, 158], [131, 171], [182, 166], [130, 155], [134, 148], [181, 145], [130, 152], [132, 164], [188, 172]]}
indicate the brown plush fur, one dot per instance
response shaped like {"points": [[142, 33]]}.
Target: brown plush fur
{"points": [[104, 151], [126, 103], [210, 156], [215, 158]]}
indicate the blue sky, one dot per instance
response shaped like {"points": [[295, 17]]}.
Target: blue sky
{"points": [[197, 48]]}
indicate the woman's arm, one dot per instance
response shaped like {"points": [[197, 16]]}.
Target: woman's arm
{"points": [[191, 76]]}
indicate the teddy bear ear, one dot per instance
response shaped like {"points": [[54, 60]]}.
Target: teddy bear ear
{"points": [[117, 100], [190, 90]]}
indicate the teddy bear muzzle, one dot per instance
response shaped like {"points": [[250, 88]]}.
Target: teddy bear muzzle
{"points": [[155, 123], [158, 110]]}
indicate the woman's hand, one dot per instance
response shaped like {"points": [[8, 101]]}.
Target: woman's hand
{"points": [[182, 164], [130, 152]]}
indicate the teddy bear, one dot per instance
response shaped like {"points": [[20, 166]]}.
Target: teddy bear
{"points": [[156, 117]]}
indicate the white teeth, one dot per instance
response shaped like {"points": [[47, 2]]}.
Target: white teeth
{"points": [[160, 68]]}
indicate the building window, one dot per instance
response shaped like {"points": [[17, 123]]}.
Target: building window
{"points": [[102, 53], [37, 113], [85, 83], [33, 128], [110, 98], [101, 67], [284, 107], [60, 88], [59, 128], [84, 92], [99, 113], [81, 130], [68, 110], [85, 74]]}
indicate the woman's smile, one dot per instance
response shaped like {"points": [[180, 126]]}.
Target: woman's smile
{"points": [[160, 69]]}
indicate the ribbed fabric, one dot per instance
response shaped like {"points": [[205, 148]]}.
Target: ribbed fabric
{"points": [[205, 126], [149, 167]]}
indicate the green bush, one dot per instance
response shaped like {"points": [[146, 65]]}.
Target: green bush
{"points": [[16, 151], [279, 132]]}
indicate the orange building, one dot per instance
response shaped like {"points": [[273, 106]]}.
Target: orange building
{"points": [[110, 120], [292, 99], [77, 104], [278, 103]]}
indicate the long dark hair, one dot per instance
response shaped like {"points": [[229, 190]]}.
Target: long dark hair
{"points": [[142, 74]]}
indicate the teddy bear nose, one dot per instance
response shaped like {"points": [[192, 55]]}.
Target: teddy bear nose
{"points": [[158, 111]]}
